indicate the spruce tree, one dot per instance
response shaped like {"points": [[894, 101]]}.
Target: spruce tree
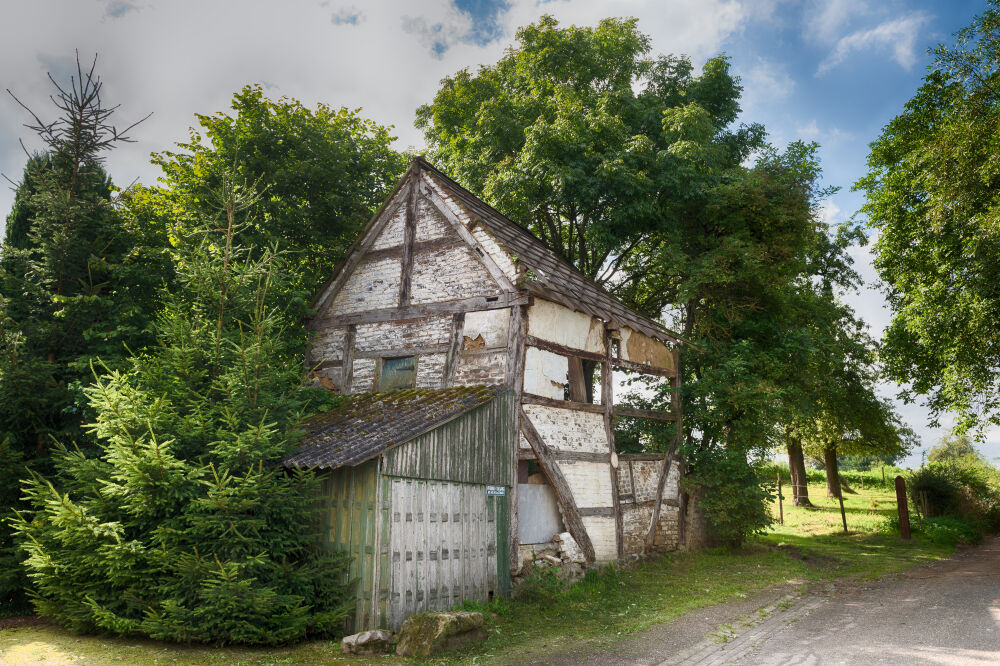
{"points": [[185, 527]]}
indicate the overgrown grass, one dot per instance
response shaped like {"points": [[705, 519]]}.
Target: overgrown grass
{"points": [[605, 606]]}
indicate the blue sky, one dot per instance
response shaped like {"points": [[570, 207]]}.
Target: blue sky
{"points": [[834, 72]]}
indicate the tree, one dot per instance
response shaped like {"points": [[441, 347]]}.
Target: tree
{"points": [[185, 527], [955, 448], [932, 193], [632, 168], [76, 284], [324, 172]]}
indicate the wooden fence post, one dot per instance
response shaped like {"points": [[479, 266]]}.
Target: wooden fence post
{"points": [[843, 514], [902, 509], [781, 508]]}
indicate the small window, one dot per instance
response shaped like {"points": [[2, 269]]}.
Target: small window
{"points": [[398, 373]]}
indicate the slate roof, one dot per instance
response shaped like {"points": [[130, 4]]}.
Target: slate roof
{"points": [[555, 278], [367, 424]]}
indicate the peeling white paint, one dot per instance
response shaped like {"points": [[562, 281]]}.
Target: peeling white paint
{"points": [[545, 373], [555, 323]]}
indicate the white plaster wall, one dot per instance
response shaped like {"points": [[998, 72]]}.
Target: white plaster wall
{"points": [[590, 482], [569, 430], [430, 370], [555, 323], [449, 274], [374, 285], [398, 335], [602, 534], [491, 325], [431, 224], [392, 234], [545, 373], [363, 379]]}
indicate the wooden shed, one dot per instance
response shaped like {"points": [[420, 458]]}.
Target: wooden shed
{"points": [[416, 487]]}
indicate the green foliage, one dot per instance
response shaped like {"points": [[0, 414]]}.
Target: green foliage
{"points": [[323, 172], [951, 530], [185, 527], [932, 195], [78, 282], [968, 492], [540, 585], [956, 448], [736, 501]]}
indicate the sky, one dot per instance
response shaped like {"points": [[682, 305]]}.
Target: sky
{"points": [[834, 72]]}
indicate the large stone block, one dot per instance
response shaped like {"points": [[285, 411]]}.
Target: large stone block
{"points": [[425, 634], [367, 642]]}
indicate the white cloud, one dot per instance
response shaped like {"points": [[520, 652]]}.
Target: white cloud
{"points": [[189, 56], [897, 36], [764, 83], [825, 20]]}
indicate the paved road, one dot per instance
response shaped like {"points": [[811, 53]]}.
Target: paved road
{"points": [[944, 613]]}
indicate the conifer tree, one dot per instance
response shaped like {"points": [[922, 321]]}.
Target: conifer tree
{"points": [[185, 527]]}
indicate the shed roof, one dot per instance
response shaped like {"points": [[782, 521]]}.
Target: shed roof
{"points": [[554, 278], [367, 424]]}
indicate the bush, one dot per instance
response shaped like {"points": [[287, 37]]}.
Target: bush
{"points": [[728, 489], [540, 585], [951, 531]]}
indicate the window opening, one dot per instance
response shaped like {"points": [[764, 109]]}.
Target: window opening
{"points": [[398, 373]]}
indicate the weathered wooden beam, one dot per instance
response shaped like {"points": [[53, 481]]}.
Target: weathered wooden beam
{"points": [[409, 237], [419, 247], [533, 399], [347, 375], [514, 377], [582, 456], [454, 348], [640, 457], [484, 258], [652, 414], [601, 511], [652, 502], [607, 402], [419, 311], [402, 351], [563, 350], [577, 382], [675, 384], [571, 515]]}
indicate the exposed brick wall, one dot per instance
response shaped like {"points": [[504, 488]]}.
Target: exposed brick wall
{"points": [[430, 222], [489, 367], [374, 285], [363, 379], [430, 370], [392, 234], [569, 430], [449, 274], [396, 335]]}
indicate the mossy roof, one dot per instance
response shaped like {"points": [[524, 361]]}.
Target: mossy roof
{"points": [[367, 424]]}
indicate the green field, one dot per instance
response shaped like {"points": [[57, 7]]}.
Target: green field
{"points": [[607, 605]]}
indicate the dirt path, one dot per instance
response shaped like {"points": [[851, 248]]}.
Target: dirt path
{"points": [[944, 613]]}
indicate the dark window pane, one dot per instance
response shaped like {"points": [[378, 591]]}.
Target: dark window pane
{"points": [[398, 373]]}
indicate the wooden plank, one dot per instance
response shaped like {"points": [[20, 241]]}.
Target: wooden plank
{"points": [[577, 382], [582, 456], [607, 402], [347, 375], [563, 350], [643, 368], [600, 511], [514, 377], [409, 236], [571, 516], [422, 310], [484, 258], [454, 348], [653, 414], [533, 399]]}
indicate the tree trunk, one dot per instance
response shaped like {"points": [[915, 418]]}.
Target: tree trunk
{"points": [[797, 469], [832, 472]]}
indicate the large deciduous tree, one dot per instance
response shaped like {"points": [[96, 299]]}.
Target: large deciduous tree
{"points": [[632, 168], [324, 171], [933, 194]]}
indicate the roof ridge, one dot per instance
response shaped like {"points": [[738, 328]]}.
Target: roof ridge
{"points": [[464, 194]]}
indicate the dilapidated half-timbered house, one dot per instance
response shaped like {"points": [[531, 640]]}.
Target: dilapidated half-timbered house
{"points": [[481, 368]]}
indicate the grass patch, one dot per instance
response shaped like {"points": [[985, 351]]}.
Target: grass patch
{"points": [[598, 610]]}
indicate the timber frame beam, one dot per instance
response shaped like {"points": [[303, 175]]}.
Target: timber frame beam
{"points": [[549, 464]]}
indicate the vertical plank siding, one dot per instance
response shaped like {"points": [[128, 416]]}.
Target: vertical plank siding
{"points": [[443, 546], [349, 526], [474, 448]]}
